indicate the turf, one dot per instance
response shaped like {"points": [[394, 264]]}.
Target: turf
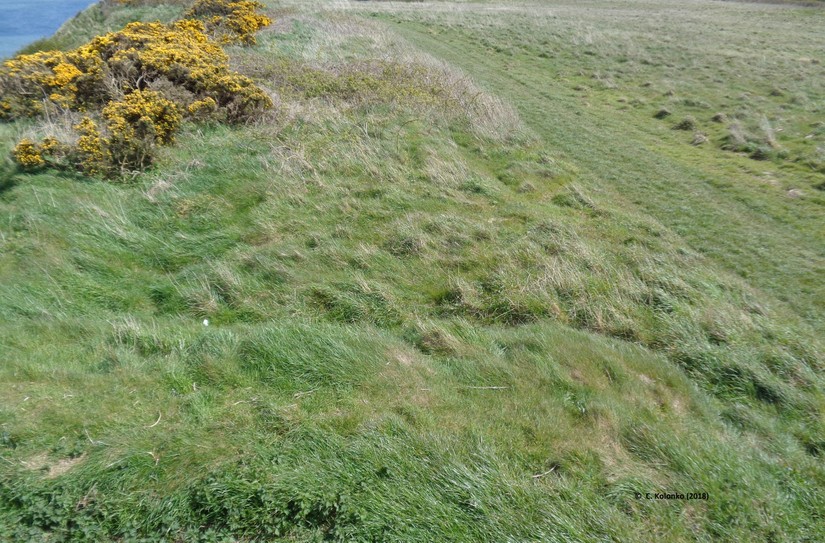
{"points": [[461, 285]]}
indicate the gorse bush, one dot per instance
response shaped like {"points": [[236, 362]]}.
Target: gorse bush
{"points": [[89, 151], [131, 130], [230, 22], [142, 80], [31, 85], [180, 62], [28, 154], [179, 57], [135, 125]]}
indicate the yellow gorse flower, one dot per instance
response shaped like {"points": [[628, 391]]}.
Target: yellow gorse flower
{"points": [[27, 154], [230, 21]]}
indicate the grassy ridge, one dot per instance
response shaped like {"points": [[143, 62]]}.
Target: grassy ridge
{"points": [[427, 321], [609, 82]]}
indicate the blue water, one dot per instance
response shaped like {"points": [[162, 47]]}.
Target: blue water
{"points": [[23, 21]]}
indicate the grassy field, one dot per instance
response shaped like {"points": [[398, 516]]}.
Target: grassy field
{"points": [[494, 271]]}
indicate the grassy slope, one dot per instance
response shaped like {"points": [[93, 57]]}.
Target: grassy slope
{"points": [[648, 309], [608, 72]]}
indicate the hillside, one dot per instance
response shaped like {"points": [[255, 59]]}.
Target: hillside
{"points": [[494, 271]]}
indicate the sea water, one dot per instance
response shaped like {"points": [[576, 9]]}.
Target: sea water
{"points": [[24, 21]]}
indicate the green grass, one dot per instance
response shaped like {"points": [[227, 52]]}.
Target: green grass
{"points": [[436, 312]]}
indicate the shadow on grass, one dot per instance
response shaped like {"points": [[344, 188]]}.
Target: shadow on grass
{"points": [[8, 178], [70, 175]]}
